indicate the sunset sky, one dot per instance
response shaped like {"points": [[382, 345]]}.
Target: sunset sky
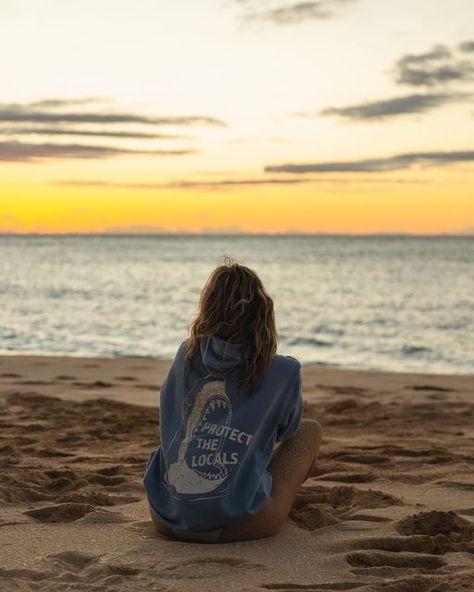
{"points": [[237, 116]]}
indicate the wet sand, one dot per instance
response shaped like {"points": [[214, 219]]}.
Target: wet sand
{"points": [[390, 506]]}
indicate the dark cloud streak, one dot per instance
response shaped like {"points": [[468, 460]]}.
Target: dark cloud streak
{"points": [[16, 131], [227, 183], [437, 66], [22, 152], [416, 103], [377, 165], [466, 46], [61, 103], [20, 114], [188, 184], [295, 12]]}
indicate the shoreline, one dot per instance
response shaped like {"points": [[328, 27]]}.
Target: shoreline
{"points": [[61, 373], [388, 506]]}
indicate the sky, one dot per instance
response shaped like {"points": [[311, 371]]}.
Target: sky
{"points": [[269, 116]]}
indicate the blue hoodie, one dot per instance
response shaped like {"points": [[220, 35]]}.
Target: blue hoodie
{"points": [[216, 443]]}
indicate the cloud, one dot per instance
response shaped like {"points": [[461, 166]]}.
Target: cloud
{"points": [[54, 131], [228, 183], [18, 113], [60, 103], [22, 152], [294, 12], [61, 117], [416, 103], [438, 52], [437, 66], [466, 46], [186, 184], [376, 165]]}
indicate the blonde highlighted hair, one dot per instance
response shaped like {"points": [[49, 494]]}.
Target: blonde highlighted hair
{"points": [[235, 306]]}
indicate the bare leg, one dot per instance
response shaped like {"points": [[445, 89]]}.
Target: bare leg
{"points": [[291, 464]]}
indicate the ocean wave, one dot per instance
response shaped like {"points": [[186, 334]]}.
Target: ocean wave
{"points": [[327, 329], [351, 302], [415, 349], [319, 363], [308, 341]]}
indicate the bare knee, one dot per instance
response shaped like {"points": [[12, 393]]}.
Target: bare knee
{"points": [[311, 429]]}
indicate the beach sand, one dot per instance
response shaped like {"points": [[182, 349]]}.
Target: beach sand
{"points": [[389, 507]]}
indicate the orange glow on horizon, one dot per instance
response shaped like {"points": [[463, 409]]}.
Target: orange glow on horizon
{"points": [[432, 208]]}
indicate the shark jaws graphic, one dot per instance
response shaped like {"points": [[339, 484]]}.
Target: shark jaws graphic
{"points": [[212, 405]]}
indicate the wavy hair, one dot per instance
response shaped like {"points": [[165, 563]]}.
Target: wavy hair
{"points": [[235, 306]]}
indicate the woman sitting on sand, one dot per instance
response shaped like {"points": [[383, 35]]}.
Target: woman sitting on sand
{"points": [[225, 402]]}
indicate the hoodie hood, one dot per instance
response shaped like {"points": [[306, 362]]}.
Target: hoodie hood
{"points": [[220, 357]]}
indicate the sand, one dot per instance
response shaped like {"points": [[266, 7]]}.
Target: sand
{"points": [[390, 506]]}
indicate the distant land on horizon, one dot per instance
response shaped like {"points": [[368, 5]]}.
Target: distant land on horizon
{"points": [[469, 233]]}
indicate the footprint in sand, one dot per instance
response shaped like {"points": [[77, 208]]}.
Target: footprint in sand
{"points": [[34, 382], [341, 390], [349, 477], [106, 480], [360, 458], [12, 579], [103, 517], [466, 511], [52, 453], [427, 536], [208, 568], [110, 471], [94, 498], [457, 485], [376, 559], [449, 531], [397, 544], [93, 385], [348, 390], [74, 560], [61, 512], [428, 387], [126, 378], [434, 523], [330, 587], [342, 406], [68, 570], [318, 506], [72, 512], [69, 438], [311, 517]]}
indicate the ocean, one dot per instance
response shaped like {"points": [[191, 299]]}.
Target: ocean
{"points": [[398, 303]]}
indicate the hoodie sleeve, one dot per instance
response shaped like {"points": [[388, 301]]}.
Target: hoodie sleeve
{"points": [[293, 411], [177, 366]]}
